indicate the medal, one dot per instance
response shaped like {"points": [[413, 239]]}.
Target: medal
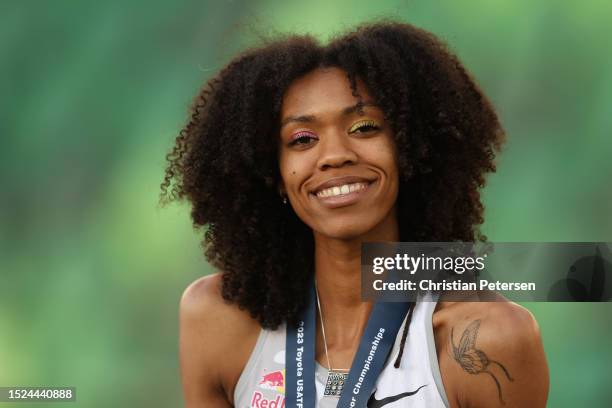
{"points": [[335, 383]]}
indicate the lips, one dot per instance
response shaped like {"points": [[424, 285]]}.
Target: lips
{"points": [[340, 181], [341, 191]]}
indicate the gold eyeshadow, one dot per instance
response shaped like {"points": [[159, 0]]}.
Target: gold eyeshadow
{"points": [[366, 123]]}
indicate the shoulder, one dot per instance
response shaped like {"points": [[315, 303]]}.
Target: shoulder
{"points": [[203, 299], [203, 309], [491, 354], [216, 339]]}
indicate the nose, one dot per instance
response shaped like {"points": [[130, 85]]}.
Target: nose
{"points": [[335, 151]]}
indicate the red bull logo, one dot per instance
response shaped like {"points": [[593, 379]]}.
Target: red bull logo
{"points": [[260, 401], [274, 380]]}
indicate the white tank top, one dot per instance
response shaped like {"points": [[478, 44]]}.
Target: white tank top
{"points": [[417, 383]]}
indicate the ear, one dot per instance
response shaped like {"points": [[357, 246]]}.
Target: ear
{"points": [[282, 191]]}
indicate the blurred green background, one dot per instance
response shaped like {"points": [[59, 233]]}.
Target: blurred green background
{"points": [[92, 95]]}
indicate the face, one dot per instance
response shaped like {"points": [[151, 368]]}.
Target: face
{"points": [[338, 165]]}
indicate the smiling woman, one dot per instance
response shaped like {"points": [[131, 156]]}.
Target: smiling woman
{"points": [[296, 153], [338, 161]]}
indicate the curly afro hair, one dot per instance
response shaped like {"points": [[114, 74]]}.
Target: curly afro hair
{"points": [[225, 160]]}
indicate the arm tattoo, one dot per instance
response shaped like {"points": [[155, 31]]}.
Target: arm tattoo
{"points": [[473, 360]]}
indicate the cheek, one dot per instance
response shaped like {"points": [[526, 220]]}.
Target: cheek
{"points": [[388, 155], [291, 176], [292, 180], [295, 169], [287, 169], [384, 156]]}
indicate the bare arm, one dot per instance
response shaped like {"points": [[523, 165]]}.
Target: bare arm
{"points": [[199, 348], [497, 359]]}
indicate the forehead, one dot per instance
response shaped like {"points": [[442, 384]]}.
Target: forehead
{"points": [[321, 90]]}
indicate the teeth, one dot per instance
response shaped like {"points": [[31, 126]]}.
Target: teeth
{"points": [[342, 190]]}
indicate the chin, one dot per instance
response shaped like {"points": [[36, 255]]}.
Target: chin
{"points": [[346, 229]]}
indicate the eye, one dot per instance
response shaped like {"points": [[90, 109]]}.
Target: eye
{"points": [[364, 126], [302, 138]]}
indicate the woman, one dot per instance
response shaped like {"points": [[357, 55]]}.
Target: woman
{"points": [[294, 155]]}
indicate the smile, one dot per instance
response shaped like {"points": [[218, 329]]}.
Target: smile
{"points": [[342, 190], [342, 195]]}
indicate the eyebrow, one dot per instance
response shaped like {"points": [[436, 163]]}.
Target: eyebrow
{"points": [[311, 118]]}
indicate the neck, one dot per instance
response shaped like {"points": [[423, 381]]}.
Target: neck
{"points": [[338, 277]]}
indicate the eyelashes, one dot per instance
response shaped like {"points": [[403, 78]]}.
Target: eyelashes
{"points": [[364, 126], [304, 137]]}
